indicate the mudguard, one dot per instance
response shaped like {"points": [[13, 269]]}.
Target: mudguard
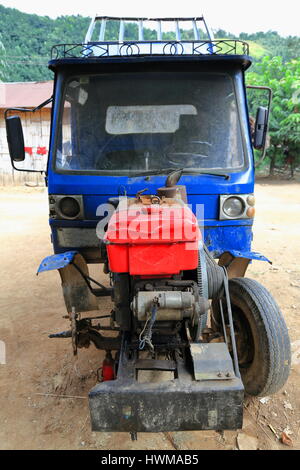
{"points": [[75, 290], [56, 261], [237, 262], [249, 255]]}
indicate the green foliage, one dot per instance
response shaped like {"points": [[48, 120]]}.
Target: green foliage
{"points": [[284, 79], [287, 48], [28, 40], [3, 65]]}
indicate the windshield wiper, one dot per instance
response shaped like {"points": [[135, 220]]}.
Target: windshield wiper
{"points": [[162, 171], [223, 175], [166, 171]]}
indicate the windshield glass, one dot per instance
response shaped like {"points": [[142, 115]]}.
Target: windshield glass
{"points": [[122, 124]]}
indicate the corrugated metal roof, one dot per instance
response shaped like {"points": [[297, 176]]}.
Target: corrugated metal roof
{"points": [[25, 94]]}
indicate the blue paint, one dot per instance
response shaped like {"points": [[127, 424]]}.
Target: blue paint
{"points": [[56, 261], [227, 238], [249, 255]]}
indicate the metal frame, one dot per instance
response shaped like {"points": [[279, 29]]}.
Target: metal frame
{"points": [[241, 197], [181, 404], [140, 20], [133, 48]]}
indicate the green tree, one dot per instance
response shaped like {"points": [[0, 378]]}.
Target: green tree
{"points": [[284, 80], [3, 64]]}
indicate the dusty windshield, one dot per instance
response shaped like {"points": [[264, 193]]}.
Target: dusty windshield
{"points": [[123, 124]]}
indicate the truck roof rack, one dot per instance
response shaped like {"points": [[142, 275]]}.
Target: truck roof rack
{"points": [[140, 21], [101, 47]]}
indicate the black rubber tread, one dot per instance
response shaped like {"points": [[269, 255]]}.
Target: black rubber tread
{"points": [[271, 364], [215, 277]]}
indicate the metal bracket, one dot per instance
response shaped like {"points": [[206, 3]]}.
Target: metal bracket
{"points": [[211, 361], [236, 262]]}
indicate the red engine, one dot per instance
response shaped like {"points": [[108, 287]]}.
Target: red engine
{"points": [[152, 236]]}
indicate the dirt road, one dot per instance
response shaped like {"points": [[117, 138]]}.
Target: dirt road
{"points": [[31, 307]]}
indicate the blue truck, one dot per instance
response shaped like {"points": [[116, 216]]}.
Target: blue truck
{"points": [[131, 119]]}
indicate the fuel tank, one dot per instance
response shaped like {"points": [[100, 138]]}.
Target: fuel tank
{"points": [[152, 236]]}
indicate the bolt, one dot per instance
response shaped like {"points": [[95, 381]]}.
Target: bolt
{"points": [[219, 374], [228, 374], [148, 286]]}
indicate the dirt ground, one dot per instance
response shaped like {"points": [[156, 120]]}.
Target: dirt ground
{"points": [[37, 367]]}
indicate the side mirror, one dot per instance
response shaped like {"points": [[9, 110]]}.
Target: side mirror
{"points": [[261, 127], [15, 139]]}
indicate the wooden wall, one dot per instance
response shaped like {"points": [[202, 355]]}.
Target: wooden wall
{"points": [[36, 128]]}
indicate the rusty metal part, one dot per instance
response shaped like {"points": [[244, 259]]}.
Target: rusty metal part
{"points": [[149, 199], [181, 404], [62, 334], [236, 267], [155, 364], [174, 177], [211, 361], [236, 261], [102, 292], [175, 192], [139, 193], [104, 342], [209, 336], [83, 333], [74, 332], [232, 334], [75, 290]]}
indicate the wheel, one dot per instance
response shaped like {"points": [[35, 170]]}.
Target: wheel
{"points": [[263, 345]]}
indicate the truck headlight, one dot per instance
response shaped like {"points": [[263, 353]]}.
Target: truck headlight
{"points": [[233, 207], [236, 207], [68, 207]]}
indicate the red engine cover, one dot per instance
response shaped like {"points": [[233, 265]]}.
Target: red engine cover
{"points": [[158, 239]]}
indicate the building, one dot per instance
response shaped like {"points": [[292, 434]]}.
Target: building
{"points": [[36, 128]]}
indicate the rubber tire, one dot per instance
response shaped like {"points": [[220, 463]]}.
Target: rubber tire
{"points": [[270, 366]]}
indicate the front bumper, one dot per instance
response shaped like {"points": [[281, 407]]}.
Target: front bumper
{"points": [[175, 405]]}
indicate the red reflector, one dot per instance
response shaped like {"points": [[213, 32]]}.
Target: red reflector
{"points": [[107, 373], [108, 368]]}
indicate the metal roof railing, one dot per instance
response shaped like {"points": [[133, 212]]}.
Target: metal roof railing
{"points": [[141, 21], [143, 48], [102, 48]]}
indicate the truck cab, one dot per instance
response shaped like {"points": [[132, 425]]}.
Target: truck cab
{"points": [[121, 126]]}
